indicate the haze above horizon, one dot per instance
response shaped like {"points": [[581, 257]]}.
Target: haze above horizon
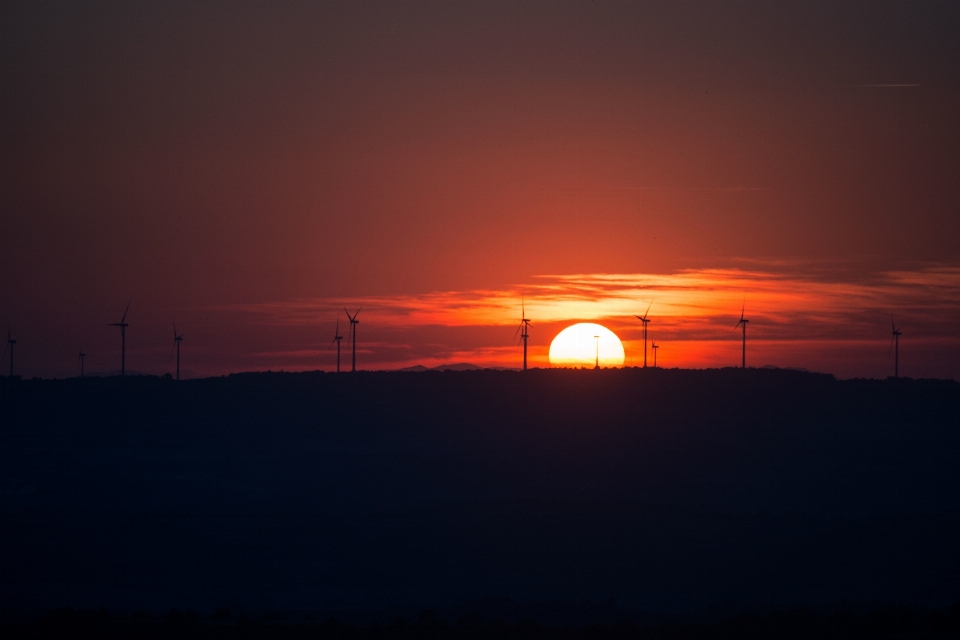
{"points": [[245, 170]]}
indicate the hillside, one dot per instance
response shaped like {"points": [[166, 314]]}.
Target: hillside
{"points": [[668, 490]]}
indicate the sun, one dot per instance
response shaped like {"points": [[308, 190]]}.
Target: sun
{"points": [[578, 346]]}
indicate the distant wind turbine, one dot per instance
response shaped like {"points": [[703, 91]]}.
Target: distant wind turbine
{"points": [[523, 330], [743, 321], [177, 339], [655, 347], [82, 356], [337, 338], [10, 343], [645, 320], [597, 365], [353, 336], [123, 339], [895, 339]]}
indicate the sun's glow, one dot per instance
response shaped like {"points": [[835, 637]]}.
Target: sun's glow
{"points": [[794, 311], [580, 345]]}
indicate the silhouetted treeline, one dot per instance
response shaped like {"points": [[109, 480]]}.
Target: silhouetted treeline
{"points": [[877, 624], [667, 490]]}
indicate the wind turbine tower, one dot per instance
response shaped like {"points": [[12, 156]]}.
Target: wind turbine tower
{"points": [[82, 356], [337, 338], [743, 321], [894, 337], [10, 343], [655, 347], [597, 365], [523, 330], [177, 339], [353, 336], [645, 320], [123, 339]]}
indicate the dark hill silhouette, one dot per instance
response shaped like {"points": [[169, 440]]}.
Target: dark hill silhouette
{"points": [[668, 490]]}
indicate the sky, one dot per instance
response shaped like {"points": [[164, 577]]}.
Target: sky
{"points": [[247, 169]]}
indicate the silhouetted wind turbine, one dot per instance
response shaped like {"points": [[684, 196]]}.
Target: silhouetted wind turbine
{"points": [[353, 335], [597, 365], [645, 320], [894, 338], [655, 347], [177, 339], [82, 356], [10, 343], [337, 338], [123, 340], [743, 321], [523, 330]]}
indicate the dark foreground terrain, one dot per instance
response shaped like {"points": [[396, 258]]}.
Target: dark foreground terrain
{"points": [[876, 624], [363, 495]]}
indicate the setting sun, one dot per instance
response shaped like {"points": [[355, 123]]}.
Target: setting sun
{"points": [[584, 345]]}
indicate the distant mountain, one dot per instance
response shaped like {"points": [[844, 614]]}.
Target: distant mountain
{"points": [[460, 366], [772, 366]]}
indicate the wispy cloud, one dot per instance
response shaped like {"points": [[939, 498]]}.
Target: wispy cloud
{"points": [[795, 309]]}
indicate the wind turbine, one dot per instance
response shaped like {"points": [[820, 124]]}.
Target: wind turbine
{"points": [[655, 347], [645, 320], [123, 340], [597, 365], [743, 321], [82, 356], [177, 339], [523, 330], [353, 336], [894, 338], [337, 338], [10, 343]]}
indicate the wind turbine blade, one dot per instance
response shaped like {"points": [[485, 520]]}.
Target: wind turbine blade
{"points": [[517, 331], [124, 318], [648, 310]]}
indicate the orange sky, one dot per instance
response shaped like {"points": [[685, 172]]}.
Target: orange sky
{"points": [[797, 320], [242, 169]]}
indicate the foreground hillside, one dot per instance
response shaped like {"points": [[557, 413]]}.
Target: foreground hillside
{"points": [[665, 490]]}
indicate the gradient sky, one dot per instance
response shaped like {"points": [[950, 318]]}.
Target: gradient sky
{"points": [[247, 168]]}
